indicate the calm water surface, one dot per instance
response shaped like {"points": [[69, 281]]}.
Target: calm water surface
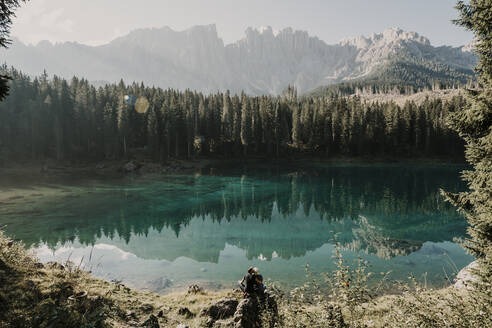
{"points": [[163, 233]]}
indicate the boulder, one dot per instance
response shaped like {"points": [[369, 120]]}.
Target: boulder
{"points": [[130, 315], [223, 324], [184, 311], [195, 289], [465, 278], [54, 266], [247, 314], [146, 307], [151, 322], [131, 166], [224, 308], [39, 265], [251, 310]]}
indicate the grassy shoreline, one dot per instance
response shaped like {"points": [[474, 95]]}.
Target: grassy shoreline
{"points": [[36, 295], [115, 168]]}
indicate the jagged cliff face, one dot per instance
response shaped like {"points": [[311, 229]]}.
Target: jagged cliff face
{"points": [[262, 62]]}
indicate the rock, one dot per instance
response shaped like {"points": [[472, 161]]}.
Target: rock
{"points": [[160, 284], [39, 265], [184, 311], [247, 314], [223, 324], [131, 166], [151, 322], [130, 315], [195, 289], [77, 297], [54, 266], [465, 278], [146, 307], [224, 308], [182, 325], [160, 314]]}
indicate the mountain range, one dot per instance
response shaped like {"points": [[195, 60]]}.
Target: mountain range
{"points": [[262, 62]]}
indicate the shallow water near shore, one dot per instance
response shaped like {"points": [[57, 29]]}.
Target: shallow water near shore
{"points": [[165, 232]]}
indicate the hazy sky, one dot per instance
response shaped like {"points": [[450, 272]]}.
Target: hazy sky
{"points": [[99, 21]]}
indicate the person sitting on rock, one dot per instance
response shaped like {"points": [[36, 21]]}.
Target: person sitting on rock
{"points": [[266, 300], [248, 283], [260, 288]]}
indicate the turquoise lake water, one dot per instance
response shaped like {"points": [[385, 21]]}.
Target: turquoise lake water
{"points": [[165, 232]]}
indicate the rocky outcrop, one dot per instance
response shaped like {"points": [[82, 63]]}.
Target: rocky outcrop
{"points": [[185, 312], [151, 322], [195, 289], [224, 308], [247, 314], [465, 278]]}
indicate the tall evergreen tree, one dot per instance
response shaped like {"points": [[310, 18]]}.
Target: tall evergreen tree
{"points": [[7, 8], [246, 126], [474, 124]]}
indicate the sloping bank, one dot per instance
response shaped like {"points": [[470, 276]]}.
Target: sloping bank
{"points": [[55, 295]]}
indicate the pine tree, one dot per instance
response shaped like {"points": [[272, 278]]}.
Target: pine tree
{"points": [[7, 8], [474, 125], [246, 126], [227, 117], [296, 125]]}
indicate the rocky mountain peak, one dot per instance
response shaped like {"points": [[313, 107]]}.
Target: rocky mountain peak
{"points": [[388, 37], [264, 61]]}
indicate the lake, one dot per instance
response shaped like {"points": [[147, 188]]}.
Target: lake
{"points": [[165, 232]]}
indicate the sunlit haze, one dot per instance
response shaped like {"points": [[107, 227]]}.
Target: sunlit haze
{"points": [[98, 22]]}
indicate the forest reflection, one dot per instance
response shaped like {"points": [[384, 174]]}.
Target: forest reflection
{"points": [[267, 211]]}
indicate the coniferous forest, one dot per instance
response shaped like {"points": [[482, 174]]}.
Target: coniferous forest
{"points": [[51, 118]]}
